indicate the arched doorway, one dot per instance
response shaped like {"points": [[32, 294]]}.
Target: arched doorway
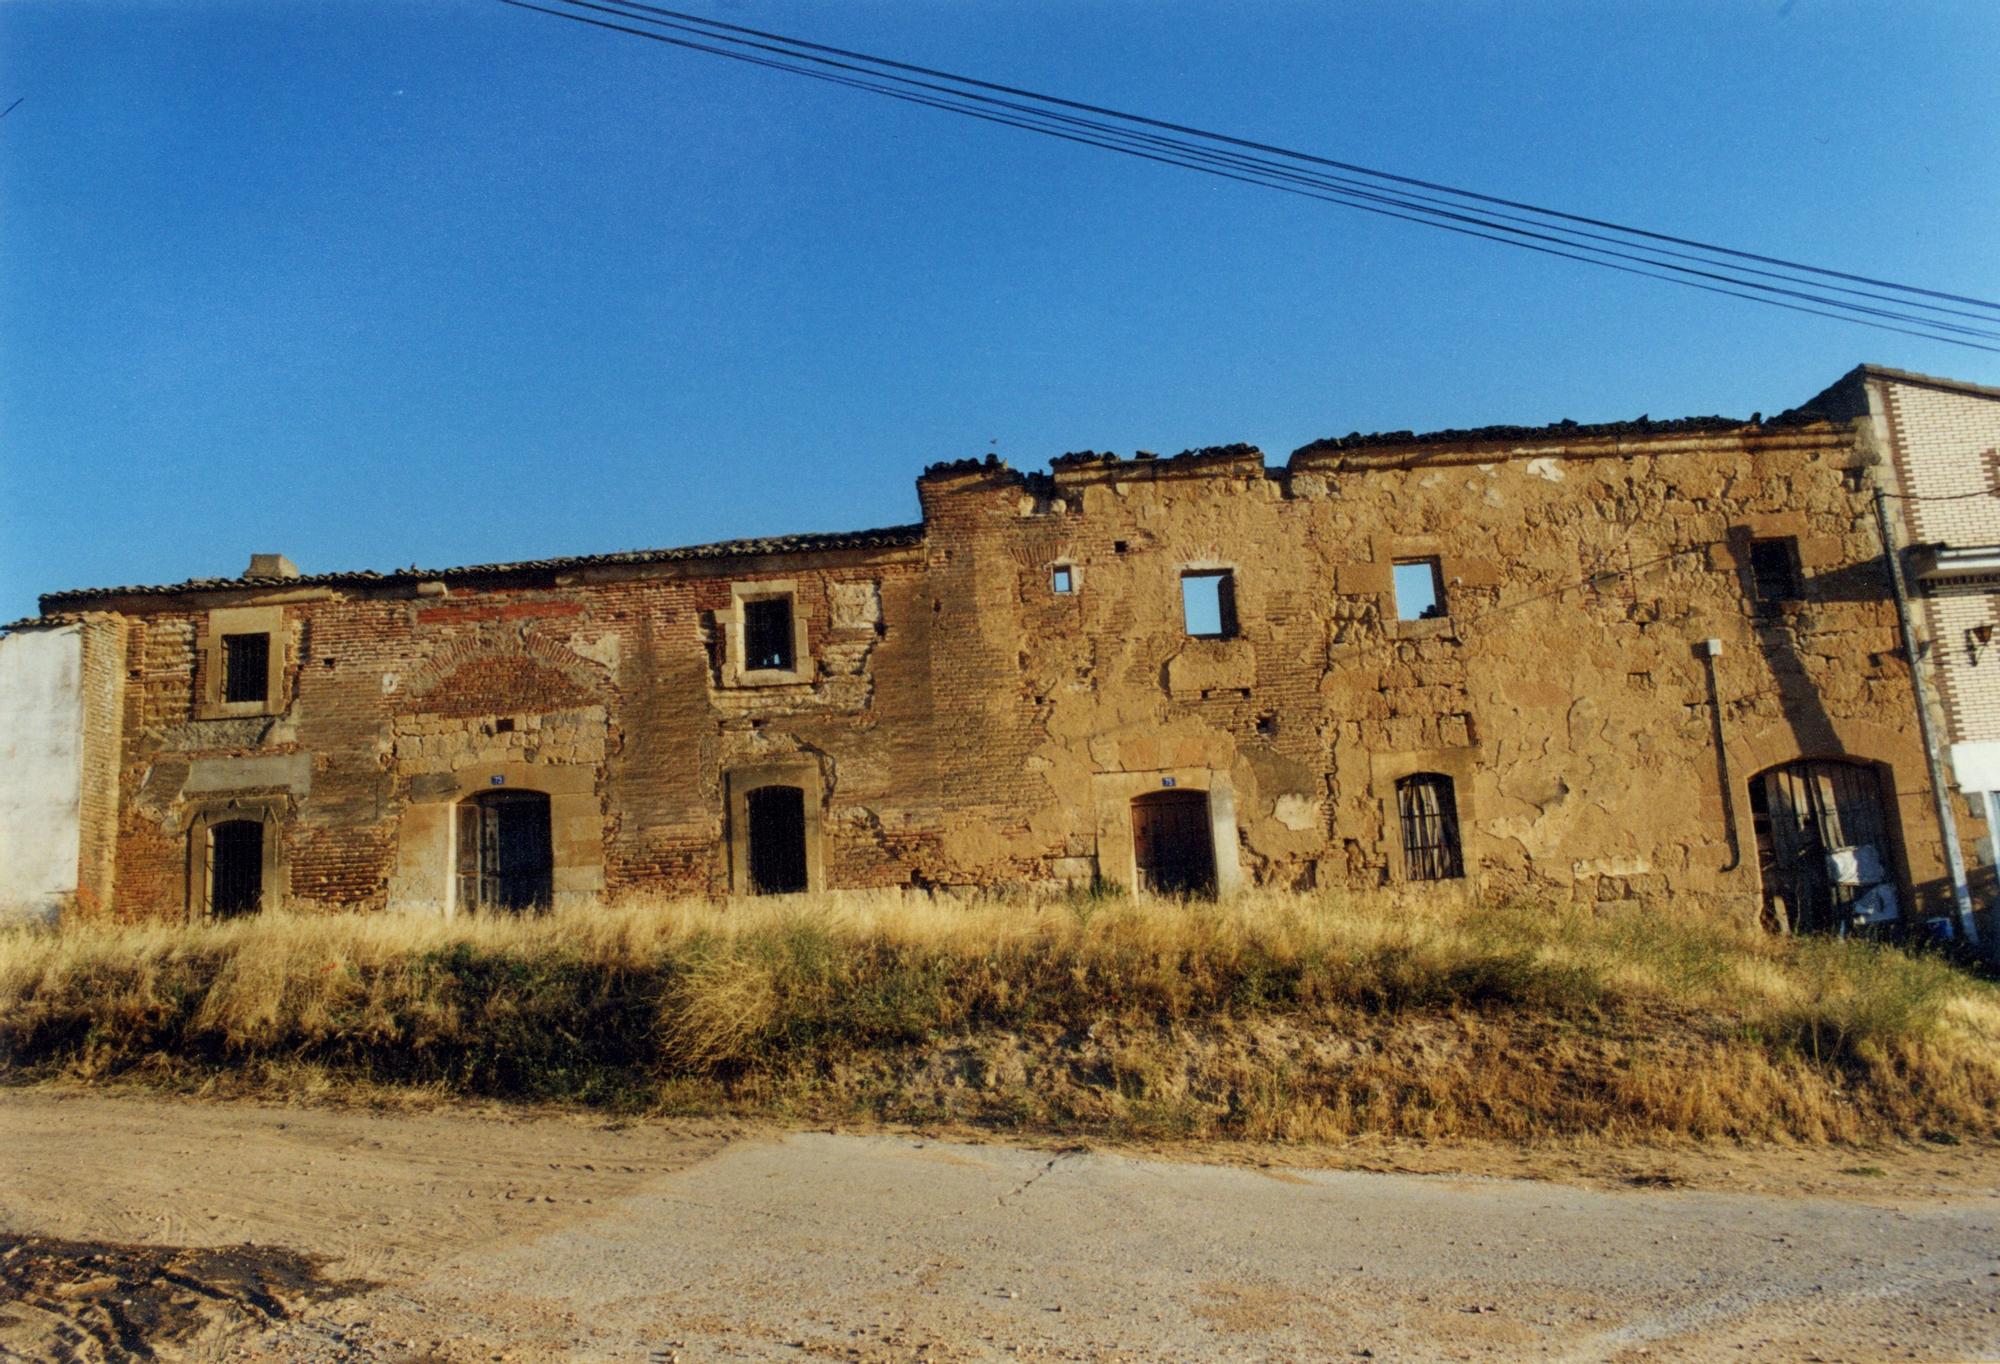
{"points": [[235, 867], [506, 857], [1823, 845], [1173, 845], [777, 820]]}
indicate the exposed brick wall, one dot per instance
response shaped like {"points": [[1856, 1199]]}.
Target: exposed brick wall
{"points": [[104, 641]]}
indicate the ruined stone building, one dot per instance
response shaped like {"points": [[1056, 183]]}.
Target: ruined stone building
{"points": [[1635, 661]]}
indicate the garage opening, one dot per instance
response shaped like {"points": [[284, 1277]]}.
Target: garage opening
{"points": [[1173, 844], [1823, 846], [777, 816], [235, 868], [506, 857]]}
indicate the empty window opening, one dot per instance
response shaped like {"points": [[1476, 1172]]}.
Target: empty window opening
{"points": [[1119, 546], [504, 725], [1208, 604], [1173, 843], [246, 667], [767, 634], [1419, 590], [1062, 580], [235, 867], [1774, 571], [1428, 809], [506, 857], [777, 817], [1822, 846]]}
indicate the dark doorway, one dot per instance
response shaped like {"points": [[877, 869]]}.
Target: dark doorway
{"points": [[1822, 845], [235, 868], [506, 859], [777, 817], [1172, 843]]}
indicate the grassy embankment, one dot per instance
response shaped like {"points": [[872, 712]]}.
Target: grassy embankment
{"points": [[1273, 1016]]}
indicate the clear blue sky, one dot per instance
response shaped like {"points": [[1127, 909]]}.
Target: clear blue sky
{"points": [[376, 283]]}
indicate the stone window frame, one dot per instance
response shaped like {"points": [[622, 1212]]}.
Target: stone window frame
{"points": [[1075, 571], [1459, 764], [271, 812], [734, 674], [212, 657], [1440, 590], [738, 781], [1810, 553], [1376, 577], [1780, 595]]}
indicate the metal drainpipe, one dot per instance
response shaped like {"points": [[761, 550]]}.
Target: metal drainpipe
{"points": [[1954, 857], [1710, 650]]}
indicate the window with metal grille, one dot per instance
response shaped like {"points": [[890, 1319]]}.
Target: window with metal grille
{"points": [[1429, 814], [1774, 571], [1208, 604], [767, 634], [246, 667]]}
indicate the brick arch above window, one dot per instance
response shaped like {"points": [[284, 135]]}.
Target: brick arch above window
{"points": [[479, 678]]}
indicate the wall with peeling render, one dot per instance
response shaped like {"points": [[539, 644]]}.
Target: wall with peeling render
{"points": [[1563, 692], [961, 723], [41, 769]]}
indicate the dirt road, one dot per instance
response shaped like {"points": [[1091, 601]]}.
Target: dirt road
{"points": [[459, 1237]]}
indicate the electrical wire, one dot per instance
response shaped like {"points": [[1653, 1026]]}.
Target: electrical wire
{"points": [[683, 18], [1264, 168], [1233, 165]]}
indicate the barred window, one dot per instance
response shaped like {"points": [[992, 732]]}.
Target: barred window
{"points": [[246, 664], [1429, 813]]}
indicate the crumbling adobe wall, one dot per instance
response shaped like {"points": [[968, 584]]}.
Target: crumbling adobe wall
{"points": [[960, 722], [1563, 693]]}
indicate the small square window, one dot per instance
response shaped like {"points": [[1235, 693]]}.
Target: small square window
{"points": [[1208, 604], [1774, 570], [1419, 590], [1062, 580], [767, 634], [246, 668]]}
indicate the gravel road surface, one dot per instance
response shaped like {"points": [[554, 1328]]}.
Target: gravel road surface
{"points": [[454, 1237]]}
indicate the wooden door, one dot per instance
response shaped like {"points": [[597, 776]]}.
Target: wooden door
{"points": [[1173, 844]]}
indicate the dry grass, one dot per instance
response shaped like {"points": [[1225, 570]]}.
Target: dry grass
{"points": [[1273, 1016]]}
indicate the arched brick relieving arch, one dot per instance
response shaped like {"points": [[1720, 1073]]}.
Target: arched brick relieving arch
{"points": [[483, 676]]}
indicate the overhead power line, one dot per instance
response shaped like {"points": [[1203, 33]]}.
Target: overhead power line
{"points": [[1468, 213]]}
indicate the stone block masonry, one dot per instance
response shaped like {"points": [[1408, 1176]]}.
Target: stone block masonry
{"points": [[1008, 693]]}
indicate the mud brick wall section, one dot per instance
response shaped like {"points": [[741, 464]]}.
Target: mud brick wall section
{"points": [[959, 721]]}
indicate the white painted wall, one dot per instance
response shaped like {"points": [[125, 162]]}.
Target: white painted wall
{"points": [[41, 769]]}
